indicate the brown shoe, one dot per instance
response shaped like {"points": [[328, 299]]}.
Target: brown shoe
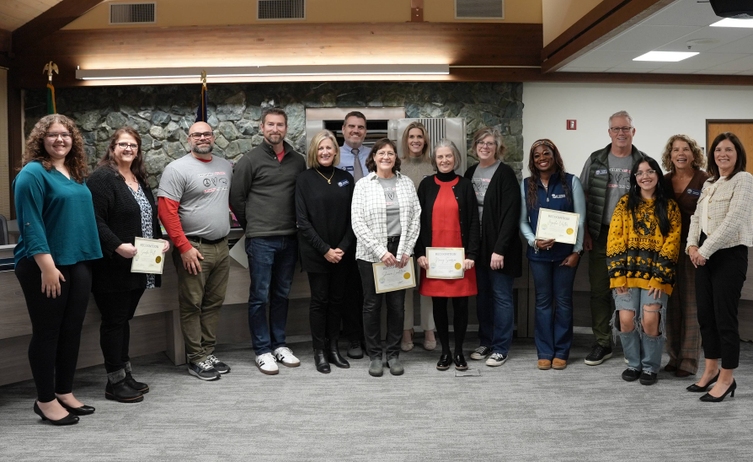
{"points": [[544, 364], [681, 373], [559, 364]]}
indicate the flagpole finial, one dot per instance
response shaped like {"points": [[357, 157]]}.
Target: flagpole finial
{"points": [[49, 68], [204, 77]]}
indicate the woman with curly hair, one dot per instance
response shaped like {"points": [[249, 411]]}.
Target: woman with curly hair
{"points": [[642, 249], [683, 159], [57, 242], [553, 265]]}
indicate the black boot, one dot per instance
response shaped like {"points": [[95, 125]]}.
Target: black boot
{"points": [[334, 357], [118, 390], [321, 362], [141, 387]]}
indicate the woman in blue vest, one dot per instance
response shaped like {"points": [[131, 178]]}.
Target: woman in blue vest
{"points": [[552, 264]]}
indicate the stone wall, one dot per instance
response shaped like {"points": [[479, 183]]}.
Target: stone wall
{"points": [[163, 114]]}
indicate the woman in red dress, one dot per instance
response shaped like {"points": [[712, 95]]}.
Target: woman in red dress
{"points": [[449, 218]]}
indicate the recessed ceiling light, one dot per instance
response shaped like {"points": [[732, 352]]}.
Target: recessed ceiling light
{"points": [[732, 22], [666, 56]]}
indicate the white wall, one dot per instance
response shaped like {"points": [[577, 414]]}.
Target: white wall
{"points": [[658, 111]]}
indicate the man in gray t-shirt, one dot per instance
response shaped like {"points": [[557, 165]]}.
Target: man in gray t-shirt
{"points": [[193, 207], [605, 179]]}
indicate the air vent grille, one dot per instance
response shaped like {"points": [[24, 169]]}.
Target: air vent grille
{"points": [[479, 9], [282, 9], [133, 13]]}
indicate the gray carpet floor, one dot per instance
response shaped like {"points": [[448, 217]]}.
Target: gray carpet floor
{"points": [[513, 412]]}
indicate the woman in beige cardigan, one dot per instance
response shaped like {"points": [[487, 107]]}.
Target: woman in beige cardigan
{"points": [[721, 229]]}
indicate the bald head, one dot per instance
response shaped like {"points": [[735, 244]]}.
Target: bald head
{"points": [[201, 139]]}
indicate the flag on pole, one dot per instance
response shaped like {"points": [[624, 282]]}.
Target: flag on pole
{"points": [[51, 108], [201, 112]]}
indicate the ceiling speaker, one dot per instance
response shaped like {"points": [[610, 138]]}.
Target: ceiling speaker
{"points": [[740, 9]]}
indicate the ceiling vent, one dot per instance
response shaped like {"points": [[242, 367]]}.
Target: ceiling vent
{"points": [[281, 9], [479, 9], [133, 13]]}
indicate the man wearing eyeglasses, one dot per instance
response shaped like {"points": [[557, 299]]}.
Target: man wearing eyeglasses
{"points": [[193, 207], [605, 179], [263, 200]]}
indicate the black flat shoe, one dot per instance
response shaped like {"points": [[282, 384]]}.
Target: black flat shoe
{"points": [[460, 363], [83, 410], [698, 389], [707, 398], [70, 419], [444, 362], [321, 362], [648, 378], [631, 375]]}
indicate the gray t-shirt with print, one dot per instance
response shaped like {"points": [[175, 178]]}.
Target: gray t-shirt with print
{"points": [[618, 183], [389, 185], [481, 179]]}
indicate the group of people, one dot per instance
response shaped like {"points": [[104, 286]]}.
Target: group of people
{"points": [[667, 254]]}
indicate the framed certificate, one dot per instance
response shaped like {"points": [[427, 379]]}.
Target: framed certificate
{"points": [[445, 262], [560, 226], [149, 257], [391, 278]]}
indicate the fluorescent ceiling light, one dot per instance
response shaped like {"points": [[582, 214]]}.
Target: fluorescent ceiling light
{"points": [[732, 22], [264, 71], [666, 56]]}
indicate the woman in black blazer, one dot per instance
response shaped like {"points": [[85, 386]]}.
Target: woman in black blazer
{"points": [[125, 209]]}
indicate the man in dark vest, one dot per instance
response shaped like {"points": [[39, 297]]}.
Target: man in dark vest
{"points": [[605, 178]]}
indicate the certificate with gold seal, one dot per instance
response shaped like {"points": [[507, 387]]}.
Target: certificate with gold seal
{"points": [[560, 226], [149, 257], [445, 262], [392, 278]]}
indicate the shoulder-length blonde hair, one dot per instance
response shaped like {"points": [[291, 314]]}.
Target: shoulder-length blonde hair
{"points": [[404, 144], [311, 156], [482, 133], [699, 161], [75, 161]]}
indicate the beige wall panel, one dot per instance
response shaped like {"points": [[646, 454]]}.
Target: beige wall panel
{"points": [[558, 15]]}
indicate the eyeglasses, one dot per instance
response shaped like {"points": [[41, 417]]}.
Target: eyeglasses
{"points": [[620, 129], [54, 136], [198, 136], [486, 144], [124, 145], [639, 173], [384, 154]]}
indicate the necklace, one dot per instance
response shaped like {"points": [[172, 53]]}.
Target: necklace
{"points": [[329, 180]]}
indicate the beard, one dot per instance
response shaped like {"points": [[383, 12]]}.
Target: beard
{"points": [[203, 149]]}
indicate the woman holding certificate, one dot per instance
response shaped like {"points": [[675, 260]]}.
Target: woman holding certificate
{"points": [[323, 195], [125, 210], [57, 241], [721, 229], [553, 264], [642, 249], [385, 216], [449, 218]]}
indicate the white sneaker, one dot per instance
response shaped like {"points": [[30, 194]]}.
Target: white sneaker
{"points": [[285, 356], [267, 364], [496, 359]]}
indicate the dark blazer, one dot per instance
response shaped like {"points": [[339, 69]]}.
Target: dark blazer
{"points": [[118, 221], [499, 222], [467, 214]]}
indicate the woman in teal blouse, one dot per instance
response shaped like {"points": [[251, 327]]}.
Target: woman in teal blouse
{"points": [[58, 240]]}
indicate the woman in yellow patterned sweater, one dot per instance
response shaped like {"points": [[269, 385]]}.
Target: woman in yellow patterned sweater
{"points": [[642, 250]]}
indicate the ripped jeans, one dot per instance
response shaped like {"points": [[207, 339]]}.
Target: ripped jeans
{"points": [[642, 351]]}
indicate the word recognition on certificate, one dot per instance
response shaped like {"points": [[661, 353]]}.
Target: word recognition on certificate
{"points": [[560, 226], [445, 262], [391, 278], [149, 257]]}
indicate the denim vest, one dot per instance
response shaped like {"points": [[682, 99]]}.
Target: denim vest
{"points": [[553, 197]]}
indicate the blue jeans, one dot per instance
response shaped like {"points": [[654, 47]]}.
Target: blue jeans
{"points": [[553, 330], [642, 351], [496, 312], [271, 263]]}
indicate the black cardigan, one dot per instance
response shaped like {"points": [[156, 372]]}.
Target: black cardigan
{"points": [[323, 217], [467, 211], [118, 221], [500, 220]]}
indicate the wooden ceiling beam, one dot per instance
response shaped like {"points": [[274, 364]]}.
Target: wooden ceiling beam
{"points": [[50, 22]]}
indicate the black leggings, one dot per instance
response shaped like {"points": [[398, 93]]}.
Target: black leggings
{"points": [[56, 325], [117, 309], [459, 322]]}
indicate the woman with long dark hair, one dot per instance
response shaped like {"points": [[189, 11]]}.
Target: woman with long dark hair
{"points": [[57, 242], [642, 249], [125, 209], [553, 265], [721, 229]]}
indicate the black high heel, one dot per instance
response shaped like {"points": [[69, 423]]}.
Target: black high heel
{"points": [[707, 398], [70, 419], [698, 389], [83, 410]]}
